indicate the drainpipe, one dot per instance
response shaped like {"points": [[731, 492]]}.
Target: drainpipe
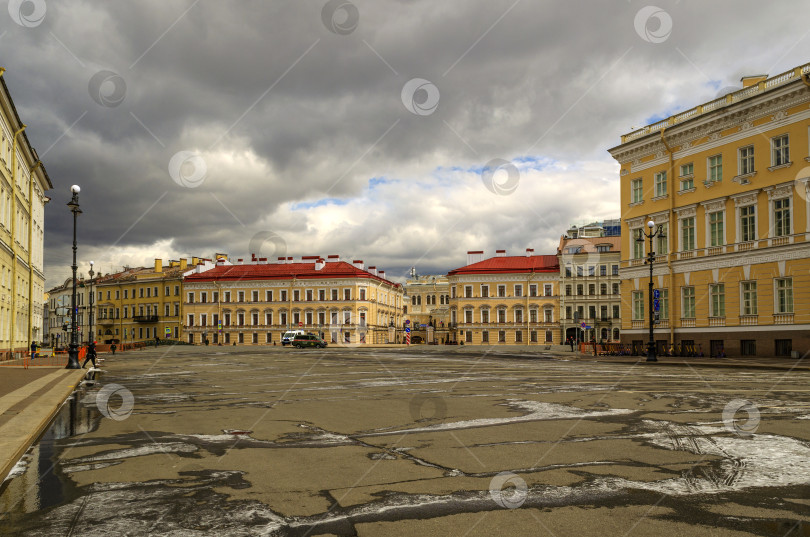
{"points": [[671, 188], [12, 336], [30, 249]]}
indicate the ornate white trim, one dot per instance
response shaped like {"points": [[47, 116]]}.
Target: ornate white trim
{"points": [[715, 205], [686, 211], [746, 198], [779, 191], [635, 222]]}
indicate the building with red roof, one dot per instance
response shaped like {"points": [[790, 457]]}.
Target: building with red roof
{"points": [[505, 299], [254, 302]]}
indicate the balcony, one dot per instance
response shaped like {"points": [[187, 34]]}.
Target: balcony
{"points": [[145, 318], [714, 250], [745, 246], [687, 323], [637, 324], [748, 320], [105, 321], [717, 321], [783, 318]]}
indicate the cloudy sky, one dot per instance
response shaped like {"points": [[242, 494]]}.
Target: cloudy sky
{"points": [[403, 133]]}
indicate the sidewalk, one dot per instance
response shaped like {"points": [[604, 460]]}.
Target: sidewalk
{"points": [[29, 399]]}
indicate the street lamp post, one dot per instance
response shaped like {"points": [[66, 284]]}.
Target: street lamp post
{"points": [[90, 336], [73, 350], [659, 232]]}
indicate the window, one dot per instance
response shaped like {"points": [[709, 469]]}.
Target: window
{"points": [[518, 336], [362, 295], [176, 291], [140, 292], [591, 270], [661, 184], [518, 290], [580, 292], [603, 289], [501, 316], [501, 290], [321, 295], [602, 248], [615, 270], [749, 298], [687, 169], [501, 336], [688, 310], [166, 294], [568, 271], [190, 319], [616, 314], [468, 316], [784, 295], [334, 294], [715, 169], [484, 315], [240, 296], [518, 316], [191, 298], [533, 315], [748, 347], [215, 297], [255, 296], [716, 228], [661, 245], [746, 160], [579, 270], [615, 288], [603, 270], [126, 293], [148, 292], [592, 312], [783, 347], [468, 291], [568, 312], [591, 289], [296, 295], [663, 300], [781, 217], [203, 297], [688, 233], [638, 245], [748, 230], [484, 337], [717, 294], [780, 150], [638, 305], [636, 195]]}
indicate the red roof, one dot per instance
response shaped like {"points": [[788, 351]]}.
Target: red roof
{"points": [[511, 265], [285, 271]]}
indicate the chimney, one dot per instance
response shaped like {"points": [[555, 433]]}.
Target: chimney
{"points": [[253, 257], [372, 270], [320, 263], [195, 260], [753, 80], [240, 261], [220, 261], [332, 258], [183, 263], [475, 256], [158, 265], [381, 274], [500, 253], [358, 263], [529, 252], [262, 260], [282, 260], [289, 260]]}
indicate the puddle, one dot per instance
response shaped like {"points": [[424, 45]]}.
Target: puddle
{"points": [[37, 481]]}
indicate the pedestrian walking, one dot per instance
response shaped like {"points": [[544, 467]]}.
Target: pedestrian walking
{"points": [[91, 354], [33, 349], [112, 348], [571, 342]]}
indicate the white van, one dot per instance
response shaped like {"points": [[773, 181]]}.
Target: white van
{"points": [[289, 336]]}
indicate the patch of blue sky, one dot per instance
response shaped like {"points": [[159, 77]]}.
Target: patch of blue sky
{"points": [[304, 205]]}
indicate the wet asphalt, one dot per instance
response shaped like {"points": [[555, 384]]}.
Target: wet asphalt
{"points": [[234, 441]]}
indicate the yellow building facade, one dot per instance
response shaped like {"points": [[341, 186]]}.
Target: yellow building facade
{"points": [[23, 183], [255, 302], [428, 308], [140, 304], [505, 300], [728, 180]]}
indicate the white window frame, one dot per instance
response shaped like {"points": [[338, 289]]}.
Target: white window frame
{"points": [[744, 155], [776, 150], [660, 184], [637, 194], [710, 168]]}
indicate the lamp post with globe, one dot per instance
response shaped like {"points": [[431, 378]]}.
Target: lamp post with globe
{"points": [[659, 232]]}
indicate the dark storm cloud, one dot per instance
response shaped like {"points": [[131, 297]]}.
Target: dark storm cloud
{"points": [[283, 110]]}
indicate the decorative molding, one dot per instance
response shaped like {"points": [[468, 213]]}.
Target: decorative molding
{"points": [[715, 205], [746, 198], [686, 191], [714, 136], [659, 154], [743, 179], [658, 198], [747, 125], [686, 145], [686, 211], [635, 222], [625, 172], [781, 114], [780, 166], [636, 204], [789, 253], [779, 191]]}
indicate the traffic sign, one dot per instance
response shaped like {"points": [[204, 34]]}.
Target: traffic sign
{"points": [[656, 293], [300, 325], [407, 321], [407, 329], [656, 305], [582, 325]]}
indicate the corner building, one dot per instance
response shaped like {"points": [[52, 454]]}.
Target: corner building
{"points": [[505, 299], [729, 182], [254, 303]]}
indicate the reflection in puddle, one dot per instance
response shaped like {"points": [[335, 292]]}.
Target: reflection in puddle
{"points": [[36, 481]]}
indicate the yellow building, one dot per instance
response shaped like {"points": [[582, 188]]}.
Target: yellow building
{"points": [[428, 308], [255, 302], [23, 183], [505, 299], [728, 180], [139, 304]]}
